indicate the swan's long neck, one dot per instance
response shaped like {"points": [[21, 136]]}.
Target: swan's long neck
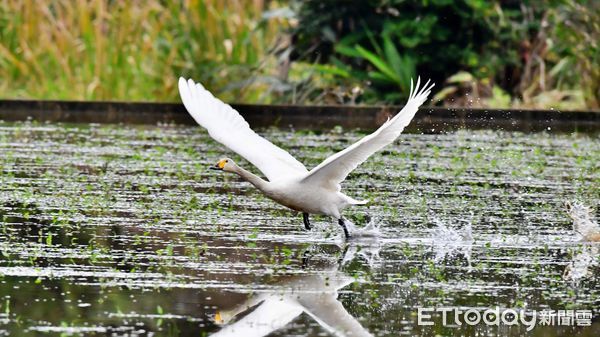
{"points": [[255, 180]]}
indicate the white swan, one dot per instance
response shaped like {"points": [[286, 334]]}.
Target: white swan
{"points": [[317, 191]]}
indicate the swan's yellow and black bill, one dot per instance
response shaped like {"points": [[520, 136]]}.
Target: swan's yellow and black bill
{"points": [[220, 165]]}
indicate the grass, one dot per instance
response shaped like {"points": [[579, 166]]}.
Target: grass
{"points": [[121, 50]]}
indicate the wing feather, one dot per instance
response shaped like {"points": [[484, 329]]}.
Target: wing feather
{"points": [[225, 125], [333, 170]]}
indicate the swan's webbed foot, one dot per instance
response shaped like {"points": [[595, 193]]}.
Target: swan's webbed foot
{"points": [[306, 222], [342, 223]]}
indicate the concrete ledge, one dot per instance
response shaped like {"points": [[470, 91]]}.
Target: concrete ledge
{"points": [[432, 119]]}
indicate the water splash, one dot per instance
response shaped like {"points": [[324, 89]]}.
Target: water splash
{"points": [[364, 242], [581, 264], [450, 243], [371, 230], [583, 225], [587, 230]]}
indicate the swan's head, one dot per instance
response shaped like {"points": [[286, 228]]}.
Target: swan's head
{"points": [[224, 164]]}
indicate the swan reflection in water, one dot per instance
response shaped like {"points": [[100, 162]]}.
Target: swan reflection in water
{"points": [[314, 293]]}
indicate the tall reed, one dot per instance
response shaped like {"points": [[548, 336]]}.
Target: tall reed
{"points": [[131, 50]]}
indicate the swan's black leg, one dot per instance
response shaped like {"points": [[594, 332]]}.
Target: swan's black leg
{"points": [[306, 222], [342, 223]]}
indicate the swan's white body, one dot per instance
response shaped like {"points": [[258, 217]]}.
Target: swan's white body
{"points": [[317, 191], [309, 197]]}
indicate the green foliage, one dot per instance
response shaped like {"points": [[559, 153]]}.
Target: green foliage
{"points": [[392, 41], [575, 47], [380, 44], [128, 50], [518, 53], [388, 66]]}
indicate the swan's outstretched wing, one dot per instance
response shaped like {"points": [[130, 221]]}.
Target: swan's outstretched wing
{"points": [[226, 126], [331, 172]]}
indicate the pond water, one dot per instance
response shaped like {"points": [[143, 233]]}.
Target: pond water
{"points": [[123, 230]]}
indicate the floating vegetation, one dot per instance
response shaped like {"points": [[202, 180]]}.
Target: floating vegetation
{"points": [[123, 230]]}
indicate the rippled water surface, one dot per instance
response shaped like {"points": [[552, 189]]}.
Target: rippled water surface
{"points": [[121, 230]]}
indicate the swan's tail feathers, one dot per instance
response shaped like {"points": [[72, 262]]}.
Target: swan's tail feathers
{"points": [[359, 202], [351, 201]]}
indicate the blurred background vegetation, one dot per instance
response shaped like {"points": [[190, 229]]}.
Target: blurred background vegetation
{"points": [[499, 54]]}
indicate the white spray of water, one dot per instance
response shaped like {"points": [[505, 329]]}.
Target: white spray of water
{"points": [[583, 225], [371, 230], [449, 242], [365, 242], [585, 228], [581, 263]]}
